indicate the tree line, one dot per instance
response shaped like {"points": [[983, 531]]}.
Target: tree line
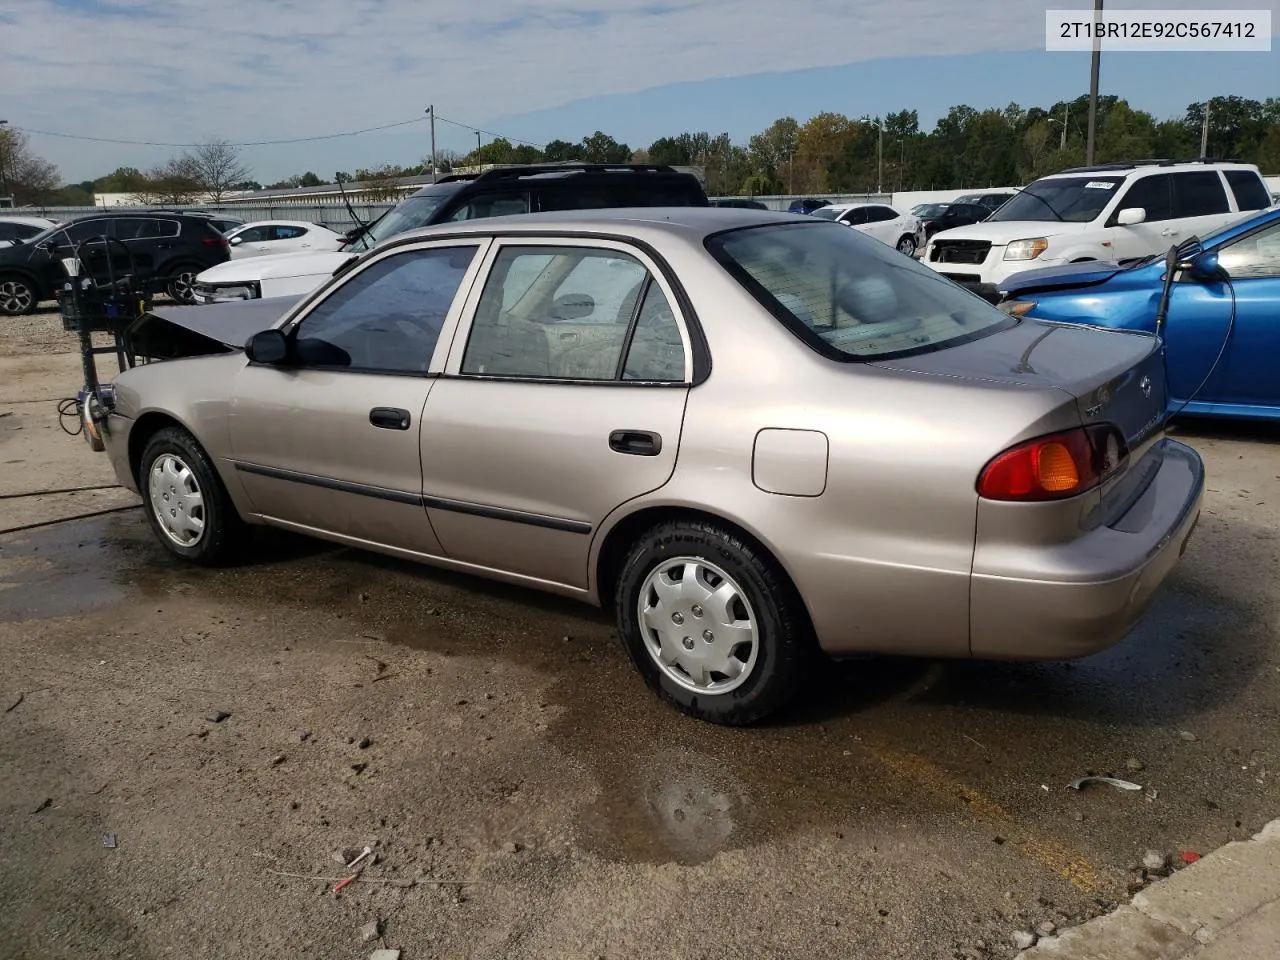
{"points": [[828, 153]]}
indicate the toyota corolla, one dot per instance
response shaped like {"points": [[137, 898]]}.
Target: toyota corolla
{"points": [[757, 438]]}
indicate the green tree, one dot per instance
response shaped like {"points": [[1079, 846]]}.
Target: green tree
{"points": [[602, 148]]}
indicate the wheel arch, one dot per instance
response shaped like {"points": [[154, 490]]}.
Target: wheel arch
{"points": [[146, 426], [32, 278], [625, 530]]}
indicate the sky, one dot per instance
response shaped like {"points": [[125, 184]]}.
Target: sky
{"points": [[185, 71]]}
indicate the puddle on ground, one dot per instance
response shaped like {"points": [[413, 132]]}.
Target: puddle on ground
{"points": [[69, 568]]}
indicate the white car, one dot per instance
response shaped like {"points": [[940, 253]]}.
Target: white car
{"points": [[22, 228], [265, 237], [1116, 211], [876, 220]]}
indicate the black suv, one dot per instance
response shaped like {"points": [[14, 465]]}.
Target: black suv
{"points": [[535, 188], [172, 247]]}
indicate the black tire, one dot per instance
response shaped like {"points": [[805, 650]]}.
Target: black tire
{"points": [[907, 245], [179, 284], [223, 530], [784, 643], [18, 295]]}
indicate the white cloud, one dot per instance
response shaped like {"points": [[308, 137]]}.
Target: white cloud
{"points": [[185, 70]]}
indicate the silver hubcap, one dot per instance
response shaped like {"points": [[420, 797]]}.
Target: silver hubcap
{"points": [[180, 287], [698, 626], [15, 296], [907, 245], [176, 500]]}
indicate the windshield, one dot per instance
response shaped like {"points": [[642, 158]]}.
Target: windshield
{"points": [[825, 213], [927, 211], [408, 214], [851, 297], [1060, 200]]}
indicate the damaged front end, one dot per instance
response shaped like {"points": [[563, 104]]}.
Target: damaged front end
{"points": [[174, 332]]}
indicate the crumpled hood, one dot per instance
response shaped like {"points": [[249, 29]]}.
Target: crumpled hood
{"points": [[170, 332], [1066, 275], [276, 266]]}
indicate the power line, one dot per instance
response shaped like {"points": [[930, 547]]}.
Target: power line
{"points": [[490, 133], [266, 143]]}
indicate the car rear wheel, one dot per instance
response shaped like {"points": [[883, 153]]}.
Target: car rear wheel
{"points": [[181, 285], [712, 623], [186, 503], [17, 296], [907, 245]]}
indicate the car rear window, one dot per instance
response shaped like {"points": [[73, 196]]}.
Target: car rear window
{"points": [[1250, 192], [851, 297]]}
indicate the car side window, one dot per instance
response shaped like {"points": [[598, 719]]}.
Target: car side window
{"points": [[568, 313], [492, 205], [1152, 194], [881, 215], [1253, 257], [386, 318], [856, 216], [253, 235], [1249, 189], [8, 231], [1199, 194], [83, 230], [281, 232]]}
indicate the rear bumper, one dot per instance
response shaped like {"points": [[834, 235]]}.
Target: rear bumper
{"points": [[1101, 584]]}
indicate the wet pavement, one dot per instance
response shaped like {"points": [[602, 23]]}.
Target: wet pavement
{"points": [[929, 800]]}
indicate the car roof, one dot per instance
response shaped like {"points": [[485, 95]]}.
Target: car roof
{"points": [[689, 222], [28, 221], [1151, 166]]}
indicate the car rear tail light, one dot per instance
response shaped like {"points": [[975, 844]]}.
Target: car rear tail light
{"points": [[1056, 466]]}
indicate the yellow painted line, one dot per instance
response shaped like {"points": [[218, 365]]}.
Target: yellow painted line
{"points": [[1054, 856]]}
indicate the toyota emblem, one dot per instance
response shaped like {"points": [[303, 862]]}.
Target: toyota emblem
{"points": [[1145, 386]]}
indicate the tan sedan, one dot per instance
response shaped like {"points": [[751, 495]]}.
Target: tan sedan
{"points": [[756, 437]]}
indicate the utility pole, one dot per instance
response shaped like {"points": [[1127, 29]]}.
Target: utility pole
{"points": [[4, 176], [1204, 133], [1093, 81], [1066, 118], [880, 157], [431, 112]]}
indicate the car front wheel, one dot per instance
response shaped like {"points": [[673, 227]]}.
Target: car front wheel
{"points": [[712, 623], [186, 503], [907, 245]]}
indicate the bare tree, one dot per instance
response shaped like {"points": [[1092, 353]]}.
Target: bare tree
{"points": [[217, 168], [24, 176], [381, 182], [176, 182]]}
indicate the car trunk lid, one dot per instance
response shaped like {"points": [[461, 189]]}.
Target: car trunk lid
{"points": [[1112, 376]]}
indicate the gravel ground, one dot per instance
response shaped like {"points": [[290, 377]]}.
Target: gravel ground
{"points": [[229, 731]]}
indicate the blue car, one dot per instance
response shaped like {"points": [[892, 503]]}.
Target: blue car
{"points": [[1219, 315]]}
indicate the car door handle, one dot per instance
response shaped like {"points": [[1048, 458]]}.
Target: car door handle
{"points": [[389, 418], [640, 443], [1169, 232]]}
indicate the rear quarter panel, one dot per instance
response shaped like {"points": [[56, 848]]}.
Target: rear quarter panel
{"points": [[882, 557]]}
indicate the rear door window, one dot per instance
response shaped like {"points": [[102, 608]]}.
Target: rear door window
{"points": [[1199, 194], [493, 205], [1249, 190]]}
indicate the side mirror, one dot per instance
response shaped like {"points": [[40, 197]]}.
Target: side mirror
{"points": [[267, 346], [1206, 267], [1131, 216], [235, 241]]}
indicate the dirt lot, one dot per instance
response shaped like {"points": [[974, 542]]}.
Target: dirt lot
{"points": [[524, 795]]}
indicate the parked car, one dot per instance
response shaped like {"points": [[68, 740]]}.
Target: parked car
{"points": [[1116, 211], [739, 203], [876, 220], [806, 205], [172, 247], [574, 402], [457, 198], [281, 236], [990, 200], [22, 228], [947, 216], [1222, 337]]}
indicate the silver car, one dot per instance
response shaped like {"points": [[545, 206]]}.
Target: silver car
{"points": [[757, 438]]}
